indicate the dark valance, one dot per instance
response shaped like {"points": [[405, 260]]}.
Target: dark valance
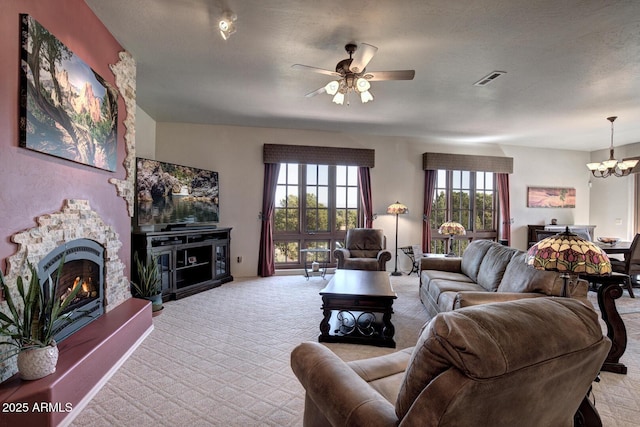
{"points": [[307, 154], [465, 162]]}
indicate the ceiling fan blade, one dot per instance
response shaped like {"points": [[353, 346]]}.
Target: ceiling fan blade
{"points": [[316, 92], [374, 76], [362, 57], [315, 70]]}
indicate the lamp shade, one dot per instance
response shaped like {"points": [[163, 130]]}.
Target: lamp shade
{"points": [[452, 228], [397, 208], [568, 253]]}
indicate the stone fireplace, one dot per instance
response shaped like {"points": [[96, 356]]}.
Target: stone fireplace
{"points": [[91, 353], [45, 243]]}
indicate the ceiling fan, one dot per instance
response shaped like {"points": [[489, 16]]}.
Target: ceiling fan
{"points": [[351, 75]]}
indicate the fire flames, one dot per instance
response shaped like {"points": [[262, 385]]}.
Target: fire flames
{"points": [[87, 291]]}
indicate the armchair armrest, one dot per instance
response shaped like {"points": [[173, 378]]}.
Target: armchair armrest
{"points": [[451, 264], [340, 255], [470, 298], [384, 256], [338, 392]]}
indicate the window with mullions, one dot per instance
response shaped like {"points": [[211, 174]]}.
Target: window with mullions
{"points": [[469, 198], [314, 206]]}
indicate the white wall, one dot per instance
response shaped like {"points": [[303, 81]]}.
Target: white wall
{"points": [[546, 168], [236, 153], [145, 135]]}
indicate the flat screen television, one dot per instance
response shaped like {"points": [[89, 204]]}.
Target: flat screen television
{"points": [[169, 195]]}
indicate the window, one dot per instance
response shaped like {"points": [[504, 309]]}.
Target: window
{"points": [[469, 198], [314, 206]]}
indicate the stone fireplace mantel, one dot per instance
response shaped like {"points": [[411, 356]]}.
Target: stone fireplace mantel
{"points": [[76, 220], [91, 354]]}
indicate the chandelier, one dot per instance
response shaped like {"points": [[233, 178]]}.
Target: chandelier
{"points": [[349, 83], [612, 166]]}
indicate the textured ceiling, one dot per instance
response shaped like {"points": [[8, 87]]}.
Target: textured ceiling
{"points": [[570, 64]]}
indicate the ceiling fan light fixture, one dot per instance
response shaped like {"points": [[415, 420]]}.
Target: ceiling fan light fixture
{"points": [[338, 98], [366, 96], [332, 87], [227, 25], [362, 85]]}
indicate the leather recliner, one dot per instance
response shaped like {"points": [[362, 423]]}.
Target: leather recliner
{"points": [[364, 250], [529, 362]]}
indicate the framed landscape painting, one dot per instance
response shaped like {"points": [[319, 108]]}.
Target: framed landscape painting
{"points": [[66, 109], [551, 197]]}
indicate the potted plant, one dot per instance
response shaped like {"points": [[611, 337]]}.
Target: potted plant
{"points": [[148, 284], [29, 326]]}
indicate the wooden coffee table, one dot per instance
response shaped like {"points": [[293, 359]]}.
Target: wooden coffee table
{"points": [[357, 307]]}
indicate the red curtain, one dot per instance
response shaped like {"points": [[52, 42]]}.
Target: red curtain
{"points": [[505, 210], [429, 190], [364, 179], [266, 258]]}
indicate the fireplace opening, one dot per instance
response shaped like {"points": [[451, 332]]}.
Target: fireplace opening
{"points": [[83, 266]]}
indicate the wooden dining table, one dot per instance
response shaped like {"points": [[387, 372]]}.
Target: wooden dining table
{"points": [[621, 247]]}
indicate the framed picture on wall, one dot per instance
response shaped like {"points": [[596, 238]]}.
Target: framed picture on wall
{"points": [[66, 109], [551, 197]]}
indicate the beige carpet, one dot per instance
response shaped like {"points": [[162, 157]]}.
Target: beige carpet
{"points": [[221, 358]]}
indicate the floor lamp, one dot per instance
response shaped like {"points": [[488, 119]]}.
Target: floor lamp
{"points": [[396, 209]]}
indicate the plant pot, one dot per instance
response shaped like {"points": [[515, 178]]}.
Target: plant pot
{"points": [[156, 302], [36, 363]]}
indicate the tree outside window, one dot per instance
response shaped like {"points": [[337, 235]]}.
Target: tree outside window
{"points": [[469, 198], [314, 206]]}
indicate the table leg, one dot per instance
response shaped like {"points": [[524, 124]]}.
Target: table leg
{"points": [[324, 324], [587, 415], [616, 331]]}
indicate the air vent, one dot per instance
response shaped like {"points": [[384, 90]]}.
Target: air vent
{"points": [[489, 78]]}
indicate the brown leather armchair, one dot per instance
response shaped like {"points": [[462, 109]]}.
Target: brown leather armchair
{"points": [[364, 250], [527, 363]]}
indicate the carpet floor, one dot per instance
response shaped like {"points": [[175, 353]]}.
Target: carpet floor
{"points": [[221, 358]]}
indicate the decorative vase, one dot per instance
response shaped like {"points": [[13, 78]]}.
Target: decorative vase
{"points": [[156, 303], [36, 363]]}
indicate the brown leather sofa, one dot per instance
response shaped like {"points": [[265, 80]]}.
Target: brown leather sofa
{"points": [[521, 363], [487, 272], [364, 249]]}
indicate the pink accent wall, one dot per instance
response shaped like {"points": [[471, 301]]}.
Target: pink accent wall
{"points": [[34, 184]]}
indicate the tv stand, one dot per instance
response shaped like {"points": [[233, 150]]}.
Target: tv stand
{"points": [[190, 260], [172, 227]]}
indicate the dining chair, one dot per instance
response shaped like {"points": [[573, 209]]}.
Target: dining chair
{"points": [[630, 265]]}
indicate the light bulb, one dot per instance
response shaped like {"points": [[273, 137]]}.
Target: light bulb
{"points": [[332, 87], [366, 97], [363, 85], [339, 98]]}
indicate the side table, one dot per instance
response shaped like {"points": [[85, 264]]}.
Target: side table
{"points": [[610, 288], [308, 265]]}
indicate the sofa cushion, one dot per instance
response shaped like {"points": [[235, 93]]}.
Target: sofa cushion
{"points": [[384, 373], [493, 266], [447, 300], [426, 276], [472, 257], [438, 286], [520, 277]]}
